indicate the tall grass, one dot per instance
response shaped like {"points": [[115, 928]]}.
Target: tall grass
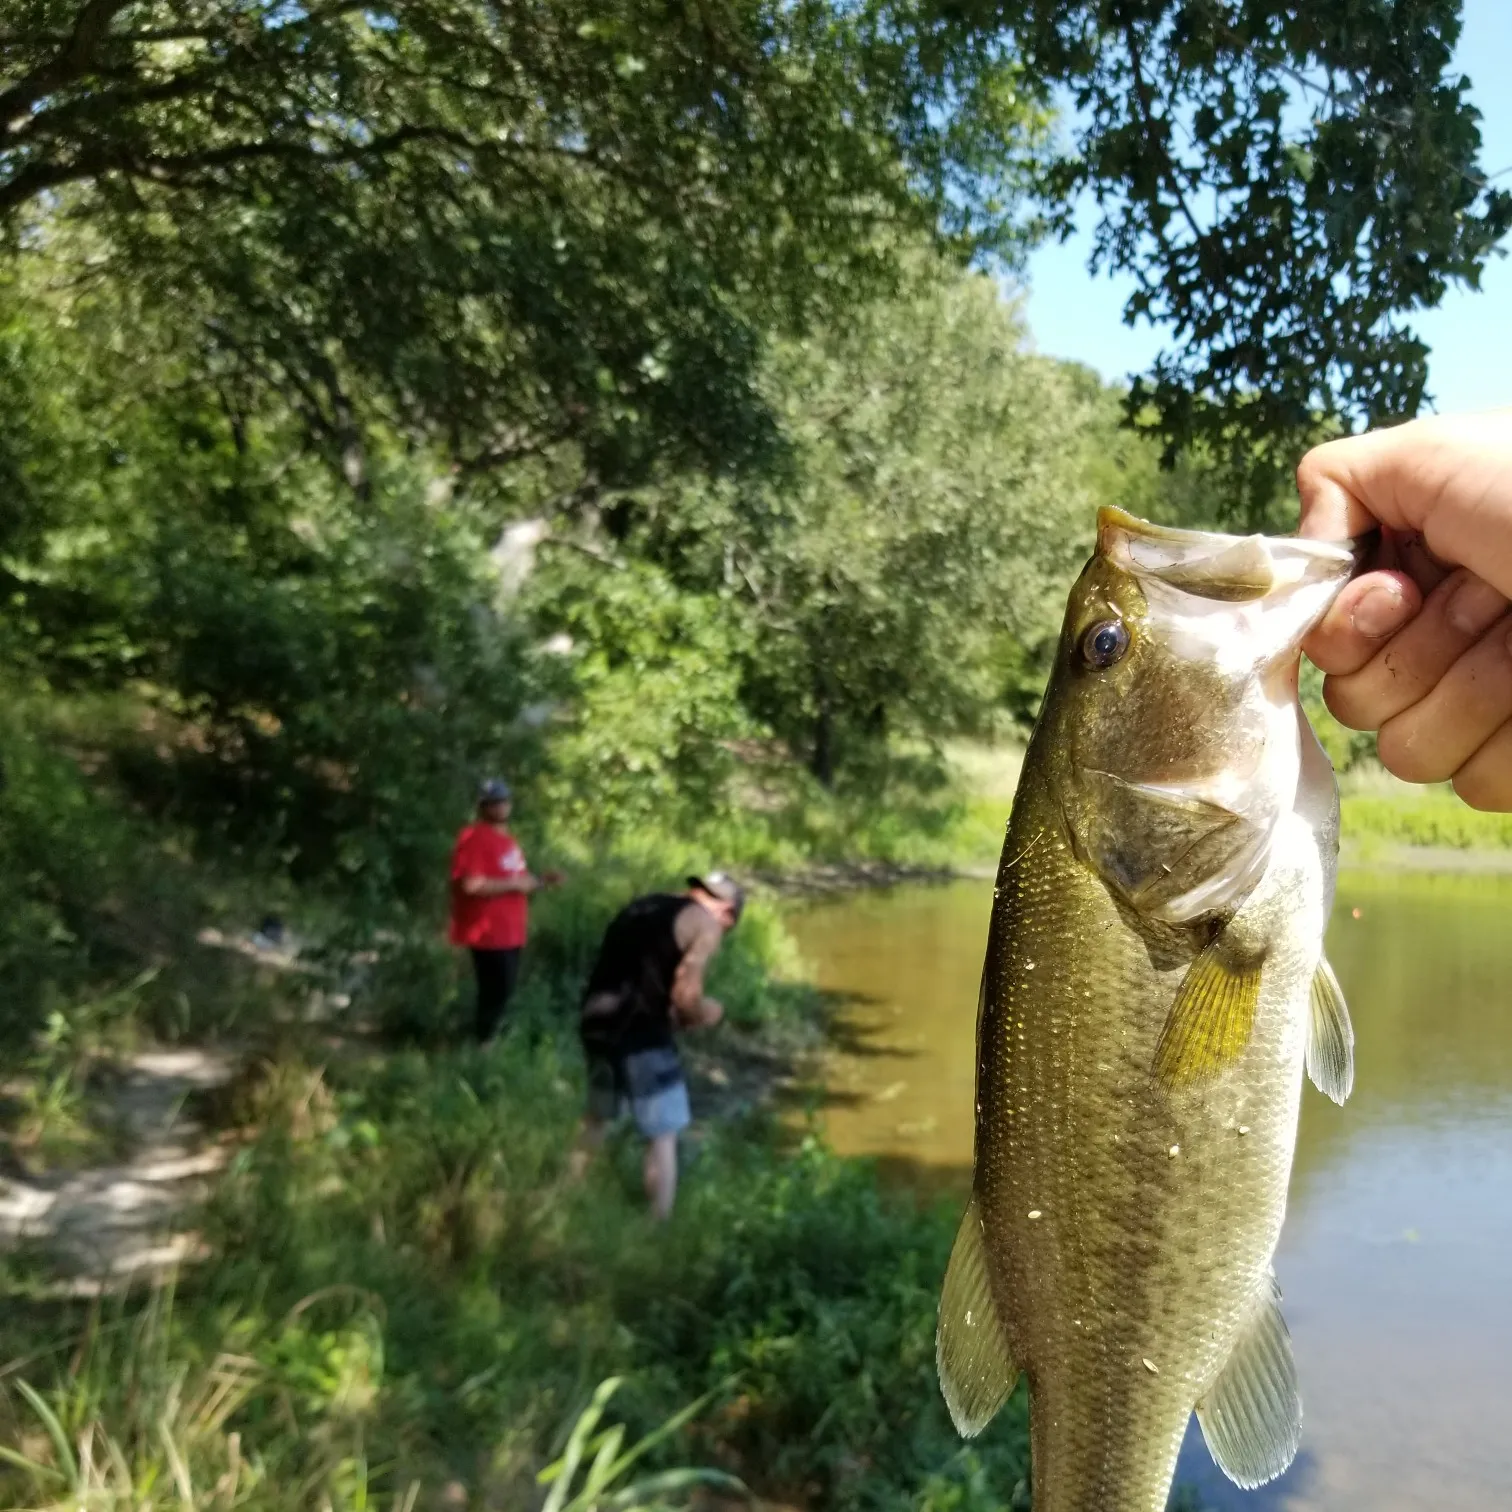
{"points": [[127, 1420], [1434, 817], [406, 1287], [133, 1425]]}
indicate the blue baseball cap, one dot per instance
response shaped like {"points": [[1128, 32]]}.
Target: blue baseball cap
{"points": [[494, 790]]}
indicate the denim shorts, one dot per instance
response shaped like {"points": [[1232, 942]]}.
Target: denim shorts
{"points": [[648, 1084]]}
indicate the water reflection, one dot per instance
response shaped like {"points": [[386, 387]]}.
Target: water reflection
{"points": [[1394, 1260]]}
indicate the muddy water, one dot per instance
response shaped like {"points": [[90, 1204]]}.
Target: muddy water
{"points": [[1396, 1260]]}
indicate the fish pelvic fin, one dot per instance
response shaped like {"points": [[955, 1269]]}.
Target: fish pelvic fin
{"points": [[1330, 1037], [1213, 1014], [971, 1350], [1252, 1418]]}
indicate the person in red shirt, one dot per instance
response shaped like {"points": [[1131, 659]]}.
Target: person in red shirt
{"points": [[490, 892]]}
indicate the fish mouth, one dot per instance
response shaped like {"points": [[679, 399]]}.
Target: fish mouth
{"points": [[1265, 592], [1210, 564]]}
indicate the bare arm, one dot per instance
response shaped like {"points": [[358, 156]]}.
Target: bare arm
{"points": [[496, 887], [690, 1008]]}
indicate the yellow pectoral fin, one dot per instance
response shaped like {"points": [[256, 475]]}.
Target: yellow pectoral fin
{"points": [[971, 1349], [1212, 1017]]}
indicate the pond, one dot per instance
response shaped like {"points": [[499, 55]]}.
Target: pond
{"points": [[1396, 1257]]}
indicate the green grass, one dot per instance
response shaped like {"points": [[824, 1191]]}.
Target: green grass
{"points": [[407, 1291], [406, 1300], [1426, 817]]}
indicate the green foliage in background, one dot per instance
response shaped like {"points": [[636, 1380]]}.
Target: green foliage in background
{"points": [[508, 229], [1286, 185], [500, 228], [1436, 818], [301, 308], [934, 507], [651, 704]]}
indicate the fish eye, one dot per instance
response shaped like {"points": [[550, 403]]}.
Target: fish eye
{"points": [[1104, 643]]}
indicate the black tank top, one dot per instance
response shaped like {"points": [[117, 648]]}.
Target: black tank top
{"points": [[636, 965]]}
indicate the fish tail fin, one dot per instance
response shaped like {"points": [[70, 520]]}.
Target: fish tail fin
{"points": [[977, 1374], [1252, 1418]]}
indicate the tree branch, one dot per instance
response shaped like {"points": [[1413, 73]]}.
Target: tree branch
{"points": [[1146, 112], [108, 102], [71, 62]]}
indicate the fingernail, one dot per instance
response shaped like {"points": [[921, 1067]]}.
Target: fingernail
{"points": [[1379, 612], [1474, 606]]}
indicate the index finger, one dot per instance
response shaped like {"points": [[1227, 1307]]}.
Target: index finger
{"points": [[1331, 510], [1351, 485], [1447, 478]]}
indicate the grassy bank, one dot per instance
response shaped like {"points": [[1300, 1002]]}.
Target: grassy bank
{"points": [[1388, 824], [403, 1300], [1435, 818], [406, 1299]]}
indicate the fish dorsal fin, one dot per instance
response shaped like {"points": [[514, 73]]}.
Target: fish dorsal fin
{"points": [[1213, 1014], [971, 1350], [1252, 1418], [1330, 1037]]}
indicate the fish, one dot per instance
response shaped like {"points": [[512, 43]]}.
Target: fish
{"points": [[1153, 989]]}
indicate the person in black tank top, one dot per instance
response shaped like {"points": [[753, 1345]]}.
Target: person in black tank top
{"points": [[645, 986]]}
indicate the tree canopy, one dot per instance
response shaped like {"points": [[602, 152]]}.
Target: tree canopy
{"points": [[935, 505], [1287, 184], [501, 228], [510, 226], [304, 304]]}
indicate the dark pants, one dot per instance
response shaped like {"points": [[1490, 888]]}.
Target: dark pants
{"points": [[497, 971]]}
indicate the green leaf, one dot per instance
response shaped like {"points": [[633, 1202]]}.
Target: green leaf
{"points": [[55, 1431]]}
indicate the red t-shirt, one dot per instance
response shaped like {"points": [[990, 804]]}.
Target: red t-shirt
{"points": [[496, 923]]}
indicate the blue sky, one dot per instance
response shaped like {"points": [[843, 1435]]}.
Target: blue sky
{"points": [[1073, 314]]}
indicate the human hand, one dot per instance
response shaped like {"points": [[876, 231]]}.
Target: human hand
{"points": [[705, 1014], [553, 878], [1420, 648]]}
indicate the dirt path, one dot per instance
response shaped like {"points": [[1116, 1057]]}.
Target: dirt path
{"points": [[107, 1223]]}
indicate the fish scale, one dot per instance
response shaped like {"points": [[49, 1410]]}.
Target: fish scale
{"points": [[1126, 1206]]}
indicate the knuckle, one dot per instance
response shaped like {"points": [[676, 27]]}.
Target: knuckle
{"points": [[1349, 703], [1410, 754], [1309, 470]]}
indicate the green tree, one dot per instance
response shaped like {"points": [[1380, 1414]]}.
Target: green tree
{"points": [[648, 700], [510, 227], [319, 683], [932, 507], [502, 229], [1287, 184]]}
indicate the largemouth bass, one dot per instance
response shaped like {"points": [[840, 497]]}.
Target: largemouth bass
{"points": [[1153, 987]]}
